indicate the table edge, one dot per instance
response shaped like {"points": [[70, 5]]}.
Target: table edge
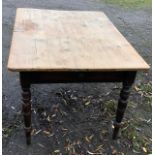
{"points": [[76, 70]]}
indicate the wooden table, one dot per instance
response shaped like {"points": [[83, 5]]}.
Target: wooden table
{"points": [[50, 46]]}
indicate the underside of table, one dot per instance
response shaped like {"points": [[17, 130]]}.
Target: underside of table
{"points": [[27, 78]]}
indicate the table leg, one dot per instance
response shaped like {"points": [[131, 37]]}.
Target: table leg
{"points": [[122, 103], [26, 110]]}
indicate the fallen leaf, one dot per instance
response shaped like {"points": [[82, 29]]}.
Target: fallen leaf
{"points": [[92, 153], [33, 131], [144, 149], [37, 132], [65, 102], [104, 131], [56, 151], [49, 119], [136, 88], [135, 151], [64, 129], [46, 132], [51, 135], [114, 152], [99, 148], [87, 139], [87, 103], [91, 137], [41, 145], [44, 114], [53, 115]]}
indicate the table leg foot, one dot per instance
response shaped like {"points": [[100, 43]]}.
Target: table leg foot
{"points": [[28, 135], [116, 130], [26, 110]]}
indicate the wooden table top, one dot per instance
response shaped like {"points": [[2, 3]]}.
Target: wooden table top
{"points": [[52, 40]]}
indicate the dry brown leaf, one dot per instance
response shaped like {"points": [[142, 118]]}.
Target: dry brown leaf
{"points": [[144, 149], [93, 153], [46, 132], [99, 148], [64, 129], [87, 103], [49, 119], [53, 115], [87, 139], [91, 137], [136, 88], [56, 151], [114, 152], [37, 132], [33, 131]]}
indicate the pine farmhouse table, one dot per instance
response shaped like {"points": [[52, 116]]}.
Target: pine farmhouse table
{"points": [[50, 46]]}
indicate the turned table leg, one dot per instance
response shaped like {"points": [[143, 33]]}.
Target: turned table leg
{"points": [[122, 103], [26, 110]]}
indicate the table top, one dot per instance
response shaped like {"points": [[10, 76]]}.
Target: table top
{"points": [[52, 40]]}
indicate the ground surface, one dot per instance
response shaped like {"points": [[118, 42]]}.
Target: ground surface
{"points": [[76, 118]]}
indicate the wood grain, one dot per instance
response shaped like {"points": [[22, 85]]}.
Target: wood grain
{"points": [[51, 40]]}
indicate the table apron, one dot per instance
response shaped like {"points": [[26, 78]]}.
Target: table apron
{"points": [[75, 77]]}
